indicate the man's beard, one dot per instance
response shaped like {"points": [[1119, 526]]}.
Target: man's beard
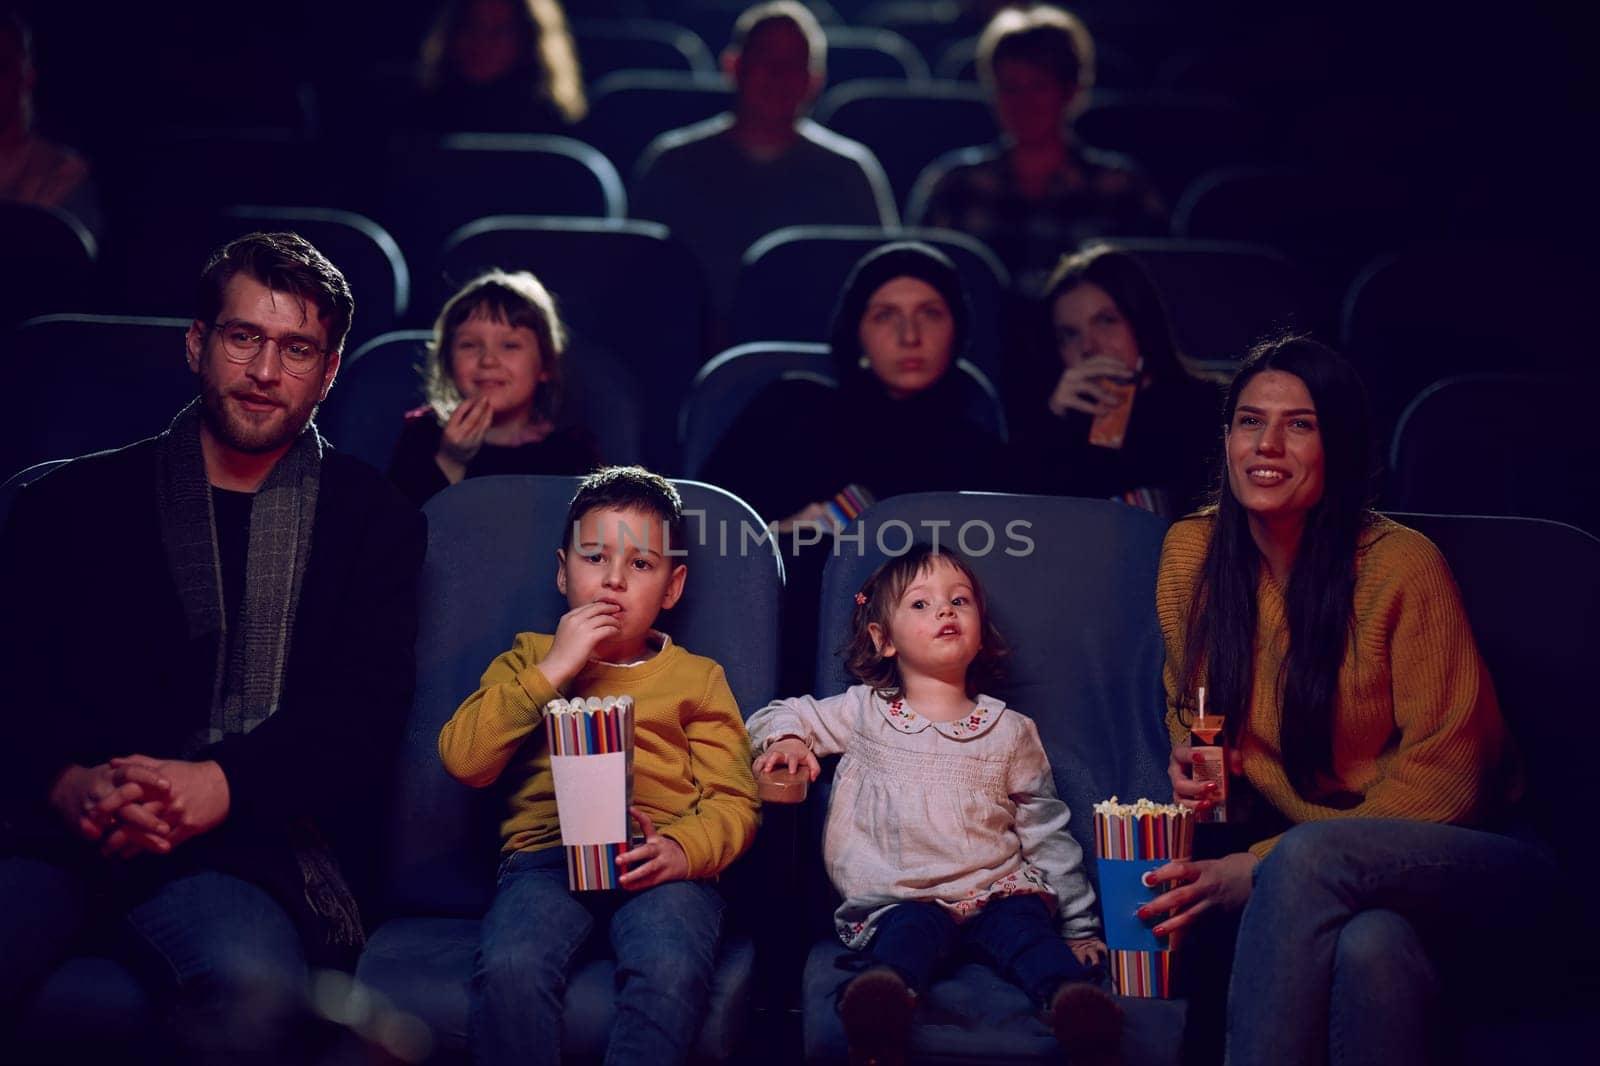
{"points": [[237, 431]]}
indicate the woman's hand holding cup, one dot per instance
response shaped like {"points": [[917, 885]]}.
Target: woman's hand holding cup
{"points": [[1082, 387]]}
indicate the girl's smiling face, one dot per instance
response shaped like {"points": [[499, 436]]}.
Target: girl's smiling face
{"points": [[504, 363]]}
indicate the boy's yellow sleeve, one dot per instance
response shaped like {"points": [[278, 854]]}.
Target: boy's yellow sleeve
{"points": [[487, 729], [723, 823]]}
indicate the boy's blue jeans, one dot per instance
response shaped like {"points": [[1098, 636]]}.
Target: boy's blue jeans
{"points": [[537, 930], [1016, 935], [1353, 923]]}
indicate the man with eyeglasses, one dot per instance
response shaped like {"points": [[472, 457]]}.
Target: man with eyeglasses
{"points": [[206, 642]]}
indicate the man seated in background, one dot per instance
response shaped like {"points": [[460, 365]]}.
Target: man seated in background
{"points": [[1038, 191], [722, 183]]}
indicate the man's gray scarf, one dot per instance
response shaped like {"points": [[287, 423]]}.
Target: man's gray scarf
{"points": [[247, 682]]}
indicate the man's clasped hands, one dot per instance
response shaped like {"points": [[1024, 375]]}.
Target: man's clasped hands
{"points": [[136, 804]]}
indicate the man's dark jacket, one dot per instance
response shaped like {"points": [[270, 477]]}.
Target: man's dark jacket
{"points": [[96, 662]]}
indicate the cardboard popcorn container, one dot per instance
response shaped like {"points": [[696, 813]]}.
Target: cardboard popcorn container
{"points": [[591, 756], [1131, 840]]}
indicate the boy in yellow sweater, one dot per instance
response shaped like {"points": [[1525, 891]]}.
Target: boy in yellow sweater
{"points": [[691, 778]]}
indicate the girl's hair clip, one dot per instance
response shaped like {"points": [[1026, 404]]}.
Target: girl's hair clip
{"points": [[861, 599]]}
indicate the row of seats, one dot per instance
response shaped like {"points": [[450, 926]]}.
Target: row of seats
{"points": [[908, 125], [1529, 588], [1328, 222], [1174, 136], [606, 46], [1409, 317], [1222, 294], [1158, 53], [855, 52], [1441, 459]]}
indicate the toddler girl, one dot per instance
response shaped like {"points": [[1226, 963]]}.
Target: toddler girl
{"points": [[944, 830]]}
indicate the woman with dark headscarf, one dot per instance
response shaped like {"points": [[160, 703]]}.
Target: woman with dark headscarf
{"points": [[897, 422]]}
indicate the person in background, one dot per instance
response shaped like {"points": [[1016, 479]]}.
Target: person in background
{"points": [[494, 388], [500, 65], [901, 419], [1039, 189], [1109, 328], [722, 183], [34, 170]]}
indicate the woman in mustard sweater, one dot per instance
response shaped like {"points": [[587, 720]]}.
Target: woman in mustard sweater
{"points": [[1364, 732]]}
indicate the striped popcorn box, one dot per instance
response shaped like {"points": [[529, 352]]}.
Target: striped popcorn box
{"points": [[591, 756], [1132, 839]]}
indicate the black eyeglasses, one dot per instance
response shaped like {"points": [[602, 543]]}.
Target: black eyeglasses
{"points": [[242, 342]]}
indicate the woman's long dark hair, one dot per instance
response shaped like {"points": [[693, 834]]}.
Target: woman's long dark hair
{"points": [[1318, 595], [1131, 288]]}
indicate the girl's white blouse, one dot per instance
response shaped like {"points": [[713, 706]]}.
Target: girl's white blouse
{"points": [[956, 813]]}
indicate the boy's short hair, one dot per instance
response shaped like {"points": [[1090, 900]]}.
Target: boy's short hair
{"points": [[876, 601], [788, 12], [627, 488], [1041, 35]]}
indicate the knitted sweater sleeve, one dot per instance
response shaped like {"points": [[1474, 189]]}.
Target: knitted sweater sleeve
{"points": [[1183, 553], [491, 724], [1450, 737], [722, 824]]}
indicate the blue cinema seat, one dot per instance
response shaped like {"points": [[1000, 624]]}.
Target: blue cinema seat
{"points": [[21, 480], [789, 282], [1531, 588], [907, 124], [655, 330], [1071, 584], [628, 109], [1442, 461], [125, 376], [429, 190], [490, 573], [730, 382], [47, 262], [607, 45]]}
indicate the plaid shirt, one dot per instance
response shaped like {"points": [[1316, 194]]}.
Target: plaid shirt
{"points": [[1096, 194]]}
